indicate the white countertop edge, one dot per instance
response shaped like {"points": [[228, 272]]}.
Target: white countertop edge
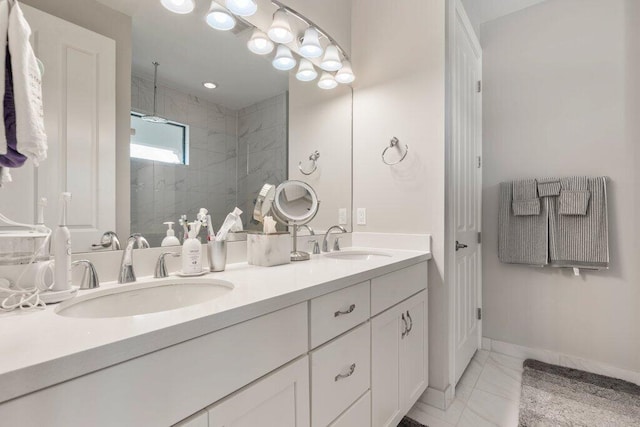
{"points": [[35, 377]]}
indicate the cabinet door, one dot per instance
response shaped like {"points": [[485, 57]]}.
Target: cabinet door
{"points": [[386, 334], [414, 356], [281, 399]]}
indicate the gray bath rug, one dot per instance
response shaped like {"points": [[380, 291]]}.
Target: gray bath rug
{"points": [[557, 396], [408, 422]]}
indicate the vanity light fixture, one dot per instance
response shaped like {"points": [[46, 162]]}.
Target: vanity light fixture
{"points": [[259, 43], [242, 7], [209, 85], [331, 59], [179, 6], [311, 47], [306, 71], [220, 18], [345, 75], [280, 30], [284, 60], [327, 81]]}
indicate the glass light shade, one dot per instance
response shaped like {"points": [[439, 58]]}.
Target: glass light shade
{"points": [[242, 7], [259, 43], [284, 60], [345, 75], [306, 71], [220, 18], [327, 81], [280, 30], [179, 6], [311, 47], [331, 59]]}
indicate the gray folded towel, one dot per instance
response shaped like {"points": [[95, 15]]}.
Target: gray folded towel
{"points": [[521, 239], [548, 187], [581, 241], [525, 198], [574, 196]]}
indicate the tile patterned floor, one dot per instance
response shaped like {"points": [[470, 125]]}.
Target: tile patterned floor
{"points": [[488, 394]]}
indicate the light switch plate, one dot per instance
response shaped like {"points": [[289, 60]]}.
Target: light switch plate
{"points": [[342, 216], [362, 216]]}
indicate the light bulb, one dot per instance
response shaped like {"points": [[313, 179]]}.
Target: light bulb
{"points": [[242, 7], [220, 18], [327, 81], [209, 85], [284, 60], [331, 59], [280, 30], [345, 75], [306, 71], [259, 43], [311, 47], [179, 6]]}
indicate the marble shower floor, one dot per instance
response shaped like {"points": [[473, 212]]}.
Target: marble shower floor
{"points": [[488, 394]]}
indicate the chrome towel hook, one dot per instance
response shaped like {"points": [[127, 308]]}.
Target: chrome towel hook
{"points": [[394, 143], [314, 163]]}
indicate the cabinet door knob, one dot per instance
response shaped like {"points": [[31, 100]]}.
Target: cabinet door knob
{"points": [[410, 322], [352, 369], [405, 330], [347, 311]]}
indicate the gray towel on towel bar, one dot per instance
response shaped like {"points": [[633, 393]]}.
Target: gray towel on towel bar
{"points": [[525, 198], [522, 239], [574, 196], [581, 241], [548, 187]]}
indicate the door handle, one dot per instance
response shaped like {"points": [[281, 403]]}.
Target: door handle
{"points": [[405, 330], [343, 312], [352, 369], [410, 322], [460, 246]]}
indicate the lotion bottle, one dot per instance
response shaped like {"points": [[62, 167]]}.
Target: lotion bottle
{"points": [[192, 251], [62, 249], [170, 239]]}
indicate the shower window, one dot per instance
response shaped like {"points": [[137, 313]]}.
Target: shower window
{"points": [[160, 142]]}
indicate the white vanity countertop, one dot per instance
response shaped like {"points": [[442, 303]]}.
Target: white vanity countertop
{"points": [[41, 348]]}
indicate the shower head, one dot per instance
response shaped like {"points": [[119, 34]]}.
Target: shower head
{"points": [[155, 118]]}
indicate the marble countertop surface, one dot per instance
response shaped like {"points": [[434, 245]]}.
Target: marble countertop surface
{"points": [[41, 348]]}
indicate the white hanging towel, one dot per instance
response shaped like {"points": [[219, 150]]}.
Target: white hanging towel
{"points": [[27, 88], [4, 27]]}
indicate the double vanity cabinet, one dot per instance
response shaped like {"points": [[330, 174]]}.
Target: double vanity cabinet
{"points": [[356, 356]]}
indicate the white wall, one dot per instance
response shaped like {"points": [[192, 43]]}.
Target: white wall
{"points": [[561, 98], [399, 61]]}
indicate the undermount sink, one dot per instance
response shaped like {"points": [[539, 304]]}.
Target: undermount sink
{"points": [[357, 255], [144, 298]]}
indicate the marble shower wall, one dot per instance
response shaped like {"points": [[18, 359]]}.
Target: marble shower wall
{"points": [[262, 150], [229, 152]]}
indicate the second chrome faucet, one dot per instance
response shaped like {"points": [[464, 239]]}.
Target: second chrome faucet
{"points": [[127, 275], [325, 241]]}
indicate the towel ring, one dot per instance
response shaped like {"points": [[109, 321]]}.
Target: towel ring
{"points": [[394, 143], [314, 160]]}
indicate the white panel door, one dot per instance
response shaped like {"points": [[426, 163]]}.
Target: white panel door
{"points": [[281, 399], [466, 149], [79, 111]]}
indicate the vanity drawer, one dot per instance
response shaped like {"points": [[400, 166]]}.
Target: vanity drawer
{"points": [[339, 311], [359, 415], [340, 373], [390, 289]]}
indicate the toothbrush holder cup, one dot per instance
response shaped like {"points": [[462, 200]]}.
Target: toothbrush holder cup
{"points": [[217, 253]]}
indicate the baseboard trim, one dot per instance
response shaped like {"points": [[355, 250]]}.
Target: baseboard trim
{"points": [[560, 359], [438, 398]]}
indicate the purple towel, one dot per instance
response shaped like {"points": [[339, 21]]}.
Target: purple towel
{"points": [[13, 159]]}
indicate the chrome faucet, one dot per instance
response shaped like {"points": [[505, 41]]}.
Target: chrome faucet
{"points": [[325, 242], [127, 274], [311, 232]]}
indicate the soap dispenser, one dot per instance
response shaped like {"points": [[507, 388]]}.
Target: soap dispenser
{"points": [[192, 251], [170, 239]]}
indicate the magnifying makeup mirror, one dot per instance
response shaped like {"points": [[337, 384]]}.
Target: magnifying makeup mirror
{"points": [[292, 203]]}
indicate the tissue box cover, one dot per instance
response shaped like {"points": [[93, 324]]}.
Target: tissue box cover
{"points": [[267, 250]]}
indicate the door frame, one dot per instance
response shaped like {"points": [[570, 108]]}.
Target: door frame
{"points": [[456, 13]]}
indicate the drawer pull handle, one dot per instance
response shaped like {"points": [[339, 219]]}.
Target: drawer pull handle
{"points": [[410, 322], [340, 313], [405, 329], [352, 369]]}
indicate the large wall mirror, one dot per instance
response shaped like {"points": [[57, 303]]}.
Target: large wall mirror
{"points": [[219, 145]]}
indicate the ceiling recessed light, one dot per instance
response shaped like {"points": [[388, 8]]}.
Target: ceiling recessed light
{"points": [[209, 85]]}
